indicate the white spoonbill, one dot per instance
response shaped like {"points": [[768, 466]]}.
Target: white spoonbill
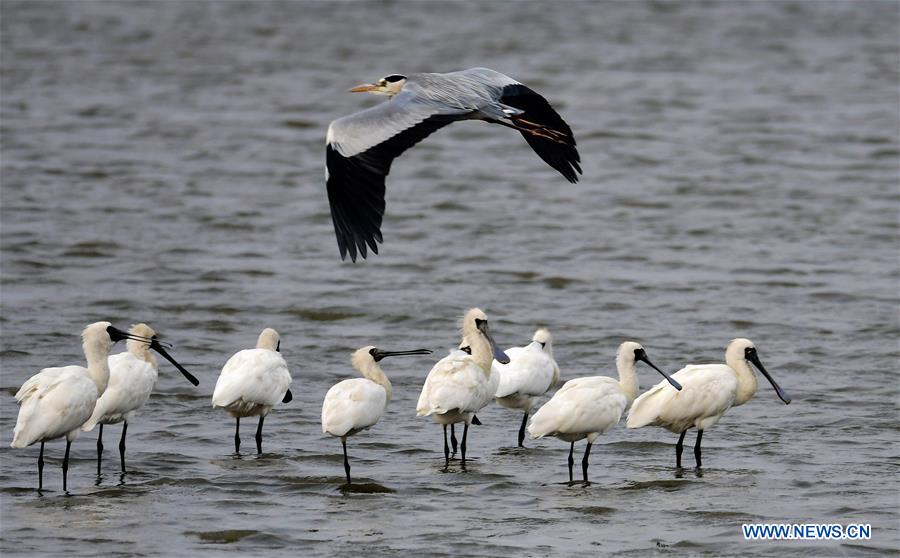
{"points": [[355, 405], [461, 383], [56, 401], [590, 406], [531, 372], [252, 382], [132, 375], [709, 391]]}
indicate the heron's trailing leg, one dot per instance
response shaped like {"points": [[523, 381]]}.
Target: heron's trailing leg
{"points": [[99, 449], [122, 444], [237, 436], [584, 461], [66, 464], [346, 461], [539, 131], [679, 447], [453, 439], [259, 435], [41, 468], [462, 445], [446, 449], [571, 460], [697, 447], [537, 127], [522, 431]]}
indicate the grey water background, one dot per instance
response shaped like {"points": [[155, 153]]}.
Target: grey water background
{"points": [[163, 162]]}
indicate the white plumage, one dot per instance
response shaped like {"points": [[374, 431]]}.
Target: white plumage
{"points": [[252, 382], [709, 391], [357, 404], [531, 372], [57, 401], [591, 406], [461, 383]]}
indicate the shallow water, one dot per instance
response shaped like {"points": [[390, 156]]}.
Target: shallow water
{"points": [[163, 162]]}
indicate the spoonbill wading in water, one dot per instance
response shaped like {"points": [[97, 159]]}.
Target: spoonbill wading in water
{"points": [[356, 404], [590, 406], [360, 147], [709, 391], [461, 383], [252, 382], [132, 375], [531, 372], [56, 401]]}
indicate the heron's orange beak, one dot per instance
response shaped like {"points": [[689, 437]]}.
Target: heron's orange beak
{"points": [[364, 88]]}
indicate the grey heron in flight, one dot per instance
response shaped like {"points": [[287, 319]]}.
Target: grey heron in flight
{"points": [[360, 147]]}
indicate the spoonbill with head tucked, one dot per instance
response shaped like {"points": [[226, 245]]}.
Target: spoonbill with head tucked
{"points": [[252, 382], [356, 404], [531, 372], [590, 406], [709, 391], [461, 383], [57, 401], [132, 375]]}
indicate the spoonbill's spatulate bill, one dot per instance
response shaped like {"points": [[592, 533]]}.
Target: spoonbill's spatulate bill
{"points": [[360, 147], [252, 382], [356, 404], [531, 372], [461, 383], [57, 401], [709, 391], [132, 375], [590, 406]]}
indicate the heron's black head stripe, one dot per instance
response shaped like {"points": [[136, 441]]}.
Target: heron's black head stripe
{"points": [[394, 78]]}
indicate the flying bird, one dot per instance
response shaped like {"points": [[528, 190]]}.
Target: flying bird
{"points": [[360, 147], [252, 382], [357, 404], [132, 376], [590, 406], [709, 391], [56, 401]]}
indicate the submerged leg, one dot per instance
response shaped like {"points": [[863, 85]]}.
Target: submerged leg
{"points": [[522, 430], [697, 447], [41, 468], [462, 445], [679, 447], [237, 435], [66, 464], [571, 460], [99, 449], [122, 444], [584, 461], [259, 435], [346, 461], [446, 449], [453, 438]]}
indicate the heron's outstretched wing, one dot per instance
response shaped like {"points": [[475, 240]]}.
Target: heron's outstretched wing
{"points": [[358, 155], [558, 151]]}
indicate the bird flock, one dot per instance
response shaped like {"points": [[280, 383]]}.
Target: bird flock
{"points": [[61, 402], [360, 148]]}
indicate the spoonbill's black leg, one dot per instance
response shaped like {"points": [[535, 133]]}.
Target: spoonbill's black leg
{"points": [[122, 444], [41, 468], [571, 460], [446, 449], [99, 449], [462, 445], [237, 435], [679, 447], [697, 447], [66, 464], [259, 435], [346, 461], [522, 431], [453, 438], [584, 461]]}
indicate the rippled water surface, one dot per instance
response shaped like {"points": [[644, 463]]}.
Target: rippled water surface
{"points": [[163, 162]]}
